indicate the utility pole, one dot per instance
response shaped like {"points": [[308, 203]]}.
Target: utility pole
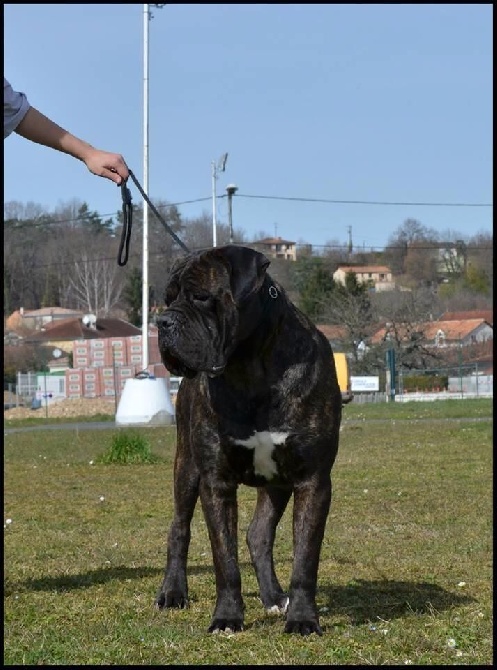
{"points": [[220, 167], [231, 189], [350, 247]]}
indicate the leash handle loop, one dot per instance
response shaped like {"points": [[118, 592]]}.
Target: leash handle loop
{"points": [[127, 223], [122, 257]]}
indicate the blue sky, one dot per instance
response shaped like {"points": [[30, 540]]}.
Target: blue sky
{"points": [[389, 103]]}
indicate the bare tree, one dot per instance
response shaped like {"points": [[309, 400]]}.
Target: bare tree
{"points": [[96, 279], [420, 262], [406, 235], [403, 314]]}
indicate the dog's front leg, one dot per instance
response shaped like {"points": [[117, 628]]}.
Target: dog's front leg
{"points": [[311, 506], [174, 588], [220, 510]]}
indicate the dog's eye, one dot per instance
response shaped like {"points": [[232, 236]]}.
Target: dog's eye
{"points": [[171, 295], [201, 297]]}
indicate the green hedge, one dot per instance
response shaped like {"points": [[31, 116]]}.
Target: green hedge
{"points": [[426, 382]]}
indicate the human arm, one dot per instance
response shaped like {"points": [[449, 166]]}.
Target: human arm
{"points": [[36, 127]]}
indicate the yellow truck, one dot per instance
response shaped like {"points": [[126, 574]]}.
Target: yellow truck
{"points": [[342, 368]]}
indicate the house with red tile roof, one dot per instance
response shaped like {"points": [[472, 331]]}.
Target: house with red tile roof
{"points": [[58, 333], [487, 314], [335, 334], [439, 333], [37, 318]]}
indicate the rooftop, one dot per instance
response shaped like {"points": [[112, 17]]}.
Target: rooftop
{"points": [[75, 329], [363, 268]]}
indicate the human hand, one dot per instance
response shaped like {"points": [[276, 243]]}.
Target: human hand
{"points": [[108, 165]]}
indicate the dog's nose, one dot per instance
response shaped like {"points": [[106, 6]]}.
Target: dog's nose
{"points": [[163, 320]]}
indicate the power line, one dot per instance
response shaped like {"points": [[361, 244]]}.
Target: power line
{"points": [[89, 216], [368, 202], [383, 203]]}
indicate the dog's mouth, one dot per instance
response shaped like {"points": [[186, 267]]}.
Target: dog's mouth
{"points": [[178, 368], [216, 371]]}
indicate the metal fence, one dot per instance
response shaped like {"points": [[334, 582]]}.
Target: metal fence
{"points": [[461, 382]]}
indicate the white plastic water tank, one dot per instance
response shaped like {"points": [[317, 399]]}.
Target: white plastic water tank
{"points": [[145, 402]]}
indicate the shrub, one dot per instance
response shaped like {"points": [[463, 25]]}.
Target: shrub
{"points": [[425, 382], [129, 447]]}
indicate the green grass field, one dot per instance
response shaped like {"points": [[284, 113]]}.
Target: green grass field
{"points": [[406, 566]]}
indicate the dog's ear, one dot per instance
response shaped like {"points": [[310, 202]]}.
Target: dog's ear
{"points": [[247, 268]]}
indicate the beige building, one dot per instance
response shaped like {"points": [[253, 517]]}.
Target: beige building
{"points": [[276, 247], [378, 276]]}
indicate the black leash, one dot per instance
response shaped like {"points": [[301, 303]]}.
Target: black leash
{"points": [[128, 221]]}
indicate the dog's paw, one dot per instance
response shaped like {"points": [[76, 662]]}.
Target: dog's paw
{"points": [[171, 598], [226, 625], [280, 607], [303, 627]]}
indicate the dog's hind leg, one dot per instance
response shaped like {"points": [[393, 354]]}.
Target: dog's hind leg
{"points": [[174, 589], [271, 503]]}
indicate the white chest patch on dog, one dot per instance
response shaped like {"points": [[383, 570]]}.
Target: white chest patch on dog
{"points": [[263, 444]]}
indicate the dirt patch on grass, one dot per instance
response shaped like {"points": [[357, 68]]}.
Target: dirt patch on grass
{"points": [[69, 407]]}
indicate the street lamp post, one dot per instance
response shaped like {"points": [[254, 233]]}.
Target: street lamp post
{"points": [[220, 167], [147, 16], [145, 399], [231, 189]]}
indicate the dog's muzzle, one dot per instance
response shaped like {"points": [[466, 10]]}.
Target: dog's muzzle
{"points": [[178, 350]]}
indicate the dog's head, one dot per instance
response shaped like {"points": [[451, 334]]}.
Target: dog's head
{"points": [[209, 296]]}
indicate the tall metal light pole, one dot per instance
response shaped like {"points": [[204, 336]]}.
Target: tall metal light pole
{"points": [[231, 189], [220, 167], [145, 399], [147, 15]]}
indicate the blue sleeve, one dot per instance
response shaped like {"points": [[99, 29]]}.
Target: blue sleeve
{"points": [[15, 106]]}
